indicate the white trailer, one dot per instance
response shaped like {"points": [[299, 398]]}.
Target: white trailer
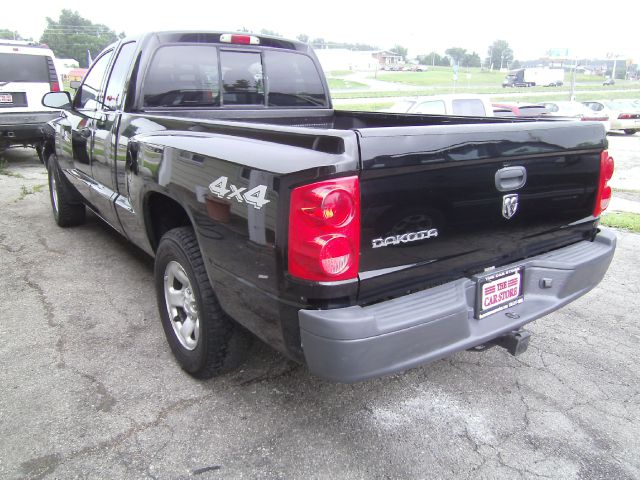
{"points": [[531, 77]]}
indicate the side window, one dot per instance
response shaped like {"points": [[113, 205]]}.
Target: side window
{"points": [[91, 86], [242, 80], [115, 88], [435, 107], [183, 76], [468, 107]]}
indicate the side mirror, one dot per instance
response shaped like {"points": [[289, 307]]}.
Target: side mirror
{"points": [[75, 84], [57, 100]]}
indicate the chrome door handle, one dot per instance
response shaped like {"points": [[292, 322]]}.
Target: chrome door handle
{"points": [[510, 178]]}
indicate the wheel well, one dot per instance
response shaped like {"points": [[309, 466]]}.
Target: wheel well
{"points": [[163, 214]]}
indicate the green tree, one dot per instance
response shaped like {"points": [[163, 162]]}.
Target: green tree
{"points": [[7, 34], [272, 33], [318, 42], [500, 54], [303, 37], [400, 50], [456, 54], [434, 59], [471, 60], [515, 64], [72, 35]]}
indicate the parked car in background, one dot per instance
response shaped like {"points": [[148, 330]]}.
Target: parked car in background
{"points": [[27, 72], [517, 109], [623, 114], [609, 81], [577, 110], [453, 104]]}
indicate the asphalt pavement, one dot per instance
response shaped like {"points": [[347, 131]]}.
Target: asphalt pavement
{"points": [[89, 388]]}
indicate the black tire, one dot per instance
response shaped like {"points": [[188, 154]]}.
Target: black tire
{"points": [[68, 211], [40, 152], [630, 131], [220, 344]]}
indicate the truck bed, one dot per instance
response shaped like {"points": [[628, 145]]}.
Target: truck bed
{"points": [[419, 172], [329, 119]]}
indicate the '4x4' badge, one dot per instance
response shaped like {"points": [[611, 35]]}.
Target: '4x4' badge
{"points": [[509, 205], [256, 197]]}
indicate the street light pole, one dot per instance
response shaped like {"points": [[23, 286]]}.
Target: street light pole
{"points": [[573, 81]]}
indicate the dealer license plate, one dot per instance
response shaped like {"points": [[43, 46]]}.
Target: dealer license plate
{"points": [[498, 291], [6, 98]]}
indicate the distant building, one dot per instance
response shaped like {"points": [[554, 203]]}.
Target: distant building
{"points": [[76, 75], [343, 59], [64, 66]]}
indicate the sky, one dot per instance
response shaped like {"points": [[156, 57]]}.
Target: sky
{"points": [[587, 28]]}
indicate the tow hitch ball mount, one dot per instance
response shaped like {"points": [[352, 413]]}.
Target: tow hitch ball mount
{"points": [[515, 342]]}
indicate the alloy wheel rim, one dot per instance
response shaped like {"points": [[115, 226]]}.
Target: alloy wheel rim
{"points": [[181, 305], [54, 192]]}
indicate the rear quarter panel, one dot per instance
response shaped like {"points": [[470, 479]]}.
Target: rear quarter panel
{"points": [[243, 246]]}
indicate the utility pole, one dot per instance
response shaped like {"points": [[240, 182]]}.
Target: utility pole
{"points": [[573, 81]]}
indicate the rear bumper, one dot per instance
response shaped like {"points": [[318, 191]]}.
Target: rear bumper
{"points": [[625, 124], [356, 343], [23, 128]]}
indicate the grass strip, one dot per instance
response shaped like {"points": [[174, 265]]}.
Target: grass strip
{"points": [[622, 220]]}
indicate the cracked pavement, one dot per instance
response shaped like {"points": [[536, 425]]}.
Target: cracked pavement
{"points": [[89, 388]]}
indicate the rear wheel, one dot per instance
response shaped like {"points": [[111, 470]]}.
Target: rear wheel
{"points": [[631, 131], [67, 211], [40, 152], [204, 340]]}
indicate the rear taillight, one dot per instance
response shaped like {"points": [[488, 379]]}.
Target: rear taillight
{"points": [[604, 190], [54, 85], [324, 230], [628, 116]]}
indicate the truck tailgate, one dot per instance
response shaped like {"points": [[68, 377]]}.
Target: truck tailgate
{"points": [[438, 203]]}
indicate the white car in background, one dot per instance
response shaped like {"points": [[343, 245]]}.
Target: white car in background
{"points": [[623, 114], [27, 72], [577, 110], [453, 104]]}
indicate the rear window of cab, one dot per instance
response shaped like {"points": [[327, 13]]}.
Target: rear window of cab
{"points": [[208, 76]]}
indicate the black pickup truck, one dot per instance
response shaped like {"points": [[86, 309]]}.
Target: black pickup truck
{"points": [[361, 244]]}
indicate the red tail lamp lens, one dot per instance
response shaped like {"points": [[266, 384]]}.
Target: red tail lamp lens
{"points": [[337, 207], [336, 255], [324, 230], [55, 87], [604, 190]]}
